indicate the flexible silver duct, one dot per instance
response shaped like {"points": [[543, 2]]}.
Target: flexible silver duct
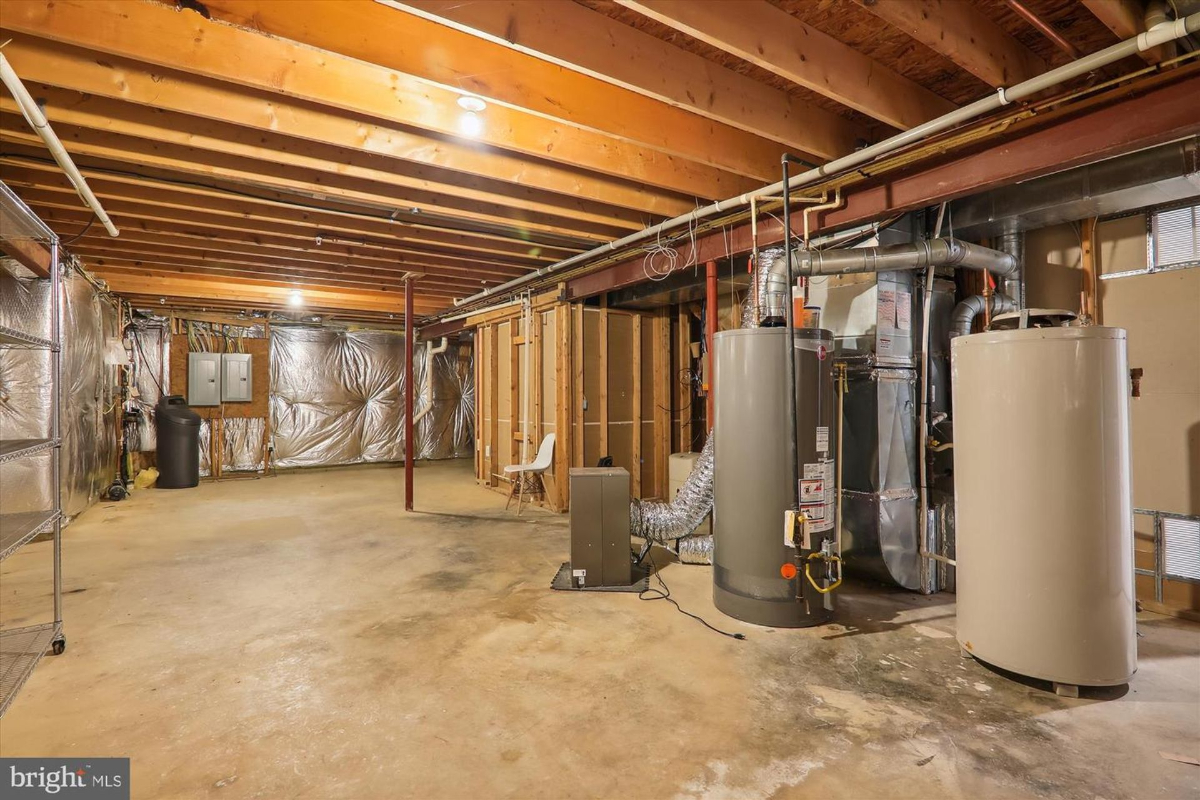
{"points": [[665, 522], [767, 287], [695, 549], [965, 312]]}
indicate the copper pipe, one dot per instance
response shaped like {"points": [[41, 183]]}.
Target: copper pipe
{"points": [[1044, 28]]}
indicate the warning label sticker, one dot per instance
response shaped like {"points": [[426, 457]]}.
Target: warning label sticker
{"points": [[822, 438], [812, 491], [814, 471]]}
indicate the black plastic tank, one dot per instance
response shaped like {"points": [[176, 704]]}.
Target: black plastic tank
{"points": [[178, 444]]}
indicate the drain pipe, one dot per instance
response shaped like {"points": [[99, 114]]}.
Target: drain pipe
{"points": [[427, 383], [37, 120], [1160, 34]]}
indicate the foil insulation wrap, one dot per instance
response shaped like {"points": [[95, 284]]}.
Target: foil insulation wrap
{"points": [[665, 522], [448, 429], [695, 549], [151, 339], [753, 308], [337, 397], [88, 392]]}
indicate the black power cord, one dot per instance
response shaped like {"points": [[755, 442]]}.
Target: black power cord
{"points": [[664, 593]]}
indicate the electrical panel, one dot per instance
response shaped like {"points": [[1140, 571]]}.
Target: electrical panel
{"points": [[204, 379], [236, 375]]}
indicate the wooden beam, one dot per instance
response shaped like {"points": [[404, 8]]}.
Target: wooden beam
{"points": [[403, 42], [582, 40], [1090, 289], [964, 34], [662, 401], [563, 377], [515, 325], [219, 273], [116, 257], [577, 384], [635, 466], [187, 42], [683, 398], [1138, 117], [603, 388], [493, 381], [420, 155], [187, 234], [1126, 19], [773, 39], [261, 171], [75, 111], [202, 288], [144, 198], [478, 401], [32, 255]]}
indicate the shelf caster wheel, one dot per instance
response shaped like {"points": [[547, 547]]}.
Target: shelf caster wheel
{"points": [[58, 647], [1066, 690]]}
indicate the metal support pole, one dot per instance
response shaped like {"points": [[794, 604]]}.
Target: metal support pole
{"points": [[56, 310], [790, 322], [408, 395], [710, 331]]}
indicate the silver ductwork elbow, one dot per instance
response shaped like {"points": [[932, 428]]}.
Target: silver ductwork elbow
{"points": [[665, 522], [944, 252], [965, 312]]}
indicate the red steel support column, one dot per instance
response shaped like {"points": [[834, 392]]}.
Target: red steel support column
{"points": [[408, 396], [710, 330]]}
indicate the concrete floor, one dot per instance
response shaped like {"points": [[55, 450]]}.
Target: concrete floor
{"points": [[301, 637]]}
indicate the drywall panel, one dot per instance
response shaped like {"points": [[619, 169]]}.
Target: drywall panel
{"points": [[1053, 261], [1161, 314], [1121, 244]]}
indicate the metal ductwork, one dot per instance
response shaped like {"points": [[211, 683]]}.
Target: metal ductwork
{"points": [[944, 252], [1164, 174], [965, 312], [663, 523]]}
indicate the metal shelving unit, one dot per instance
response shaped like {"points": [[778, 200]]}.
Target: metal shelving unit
{"points": [[22, 648]]}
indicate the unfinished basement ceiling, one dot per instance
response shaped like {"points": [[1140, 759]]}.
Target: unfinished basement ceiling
{"points": [[250, 148]]}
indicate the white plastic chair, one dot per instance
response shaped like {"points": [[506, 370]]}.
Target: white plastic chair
{"points": [[527, 478]]}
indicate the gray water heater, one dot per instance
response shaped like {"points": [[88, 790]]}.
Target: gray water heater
{"points": [[753, 472]]}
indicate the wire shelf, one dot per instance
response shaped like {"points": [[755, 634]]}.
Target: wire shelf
{"points": [[14, 339], [17, 530], [20, 651], [12, 449]]}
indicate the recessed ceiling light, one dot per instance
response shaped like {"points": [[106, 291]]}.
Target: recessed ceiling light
{"points": [[469, 102], [295, 298]]}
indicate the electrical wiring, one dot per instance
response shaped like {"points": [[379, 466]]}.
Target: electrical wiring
{"points": [[650, 594]]}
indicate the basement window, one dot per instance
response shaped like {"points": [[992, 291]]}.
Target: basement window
{"points": [[1174, 238]]}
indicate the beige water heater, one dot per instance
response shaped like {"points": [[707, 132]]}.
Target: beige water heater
{"points": [[1043, 506]]}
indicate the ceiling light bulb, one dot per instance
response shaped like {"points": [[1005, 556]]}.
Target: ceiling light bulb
{"points": [[468, 102], [470, 124], [295, 298]]}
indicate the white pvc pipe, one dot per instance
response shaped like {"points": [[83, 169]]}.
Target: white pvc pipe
{"points": [[37, 120], [1160, 34], [427, 383]]}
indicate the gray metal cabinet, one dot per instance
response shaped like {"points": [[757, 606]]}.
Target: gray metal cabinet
{"points": [[600, 527], [236, 384], [204, 379]]}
